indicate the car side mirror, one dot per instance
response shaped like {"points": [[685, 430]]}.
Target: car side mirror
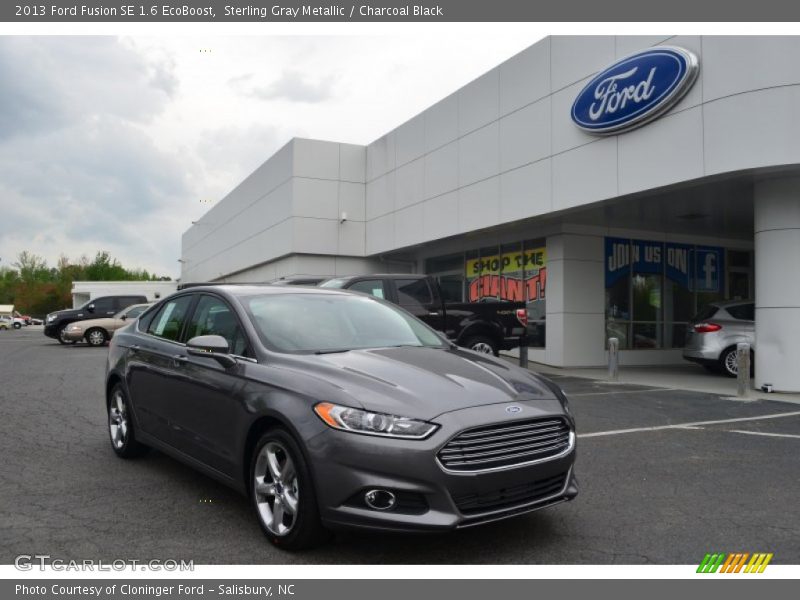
{"points": [[211, 346], [124, 317], [90, 308]]}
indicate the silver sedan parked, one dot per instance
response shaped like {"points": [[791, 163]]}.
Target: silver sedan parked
{"points": [[713, 333]]}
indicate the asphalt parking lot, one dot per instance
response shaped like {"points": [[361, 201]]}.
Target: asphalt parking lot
{"points": [[665, 476]]}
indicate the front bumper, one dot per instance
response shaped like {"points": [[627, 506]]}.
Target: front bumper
{"points": [[345, 465], [51, 330], [74, 336]]}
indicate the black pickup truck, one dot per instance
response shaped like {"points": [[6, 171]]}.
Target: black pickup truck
{"points": [[481, 326]]}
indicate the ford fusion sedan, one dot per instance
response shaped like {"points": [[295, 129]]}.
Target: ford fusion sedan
{"points": [[97, 332], [330, 409]]}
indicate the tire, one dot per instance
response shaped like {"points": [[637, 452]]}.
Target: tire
{"points": [[120, 425], [17, 325], [482, 344], [727, 363], [278, 459], [61, 339], [96, 337]]}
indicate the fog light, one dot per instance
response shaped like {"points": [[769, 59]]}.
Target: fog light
{"points": [[380, 499]]}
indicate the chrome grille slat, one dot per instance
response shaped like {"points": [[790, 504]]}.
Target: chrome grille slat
{"points": [[552, 438], [481, 461], [471, 433], [505, 445], [508, 436]]}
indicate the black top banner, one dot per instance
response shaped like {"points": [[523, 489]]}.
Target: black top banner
{"points": [[152, 11]]}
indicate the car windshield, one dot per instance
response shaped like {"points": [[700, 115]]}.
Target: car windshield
{"points": [[333, 283], [306, 323], [131, 312]]}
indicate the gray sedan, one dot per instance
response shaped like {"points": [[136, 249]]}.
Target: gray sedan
{"points": [[334, 409], [713, 334]]}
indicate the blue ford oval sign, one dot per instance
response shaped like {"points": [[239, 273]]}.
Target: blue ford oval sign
{"points": [[635, 90]]}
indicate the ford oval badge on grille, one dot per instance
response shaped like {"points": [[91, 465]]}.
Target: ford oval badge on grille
{"points": [[513, 409], [634, 90]]}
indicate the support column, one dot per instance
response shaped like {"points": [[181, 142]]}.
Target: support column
{"points": [[575, 301], [777, 278]]}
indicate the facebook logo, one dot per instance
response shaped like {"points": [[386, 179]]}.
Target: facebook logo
{"points": [[708, 269]]}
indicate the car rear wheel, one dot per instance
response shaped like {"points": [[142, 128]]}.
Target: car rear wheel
{"points": [[729, 366], [96, 337], [482, 344], [283, 492], [120, 426], [17, 325], [62, 336]]}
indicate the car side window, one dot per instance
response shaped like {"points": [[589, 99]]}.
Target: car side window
{"points": [[212, 316], [135, 312], [103, 305], [743, 312], [413, 291], [373, 287], [169, 321]]}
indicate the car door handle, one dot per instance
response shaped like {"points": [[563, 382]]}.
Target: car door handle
{"points": [[179, 360]]}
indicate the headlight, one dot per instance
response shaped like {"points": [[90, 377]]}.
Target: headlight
{"points": [[51, 318], [362, 421], [74, 328]]}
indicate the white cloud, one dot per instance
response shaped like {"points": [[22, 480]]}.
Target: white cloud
{"points": [[112, 143]]}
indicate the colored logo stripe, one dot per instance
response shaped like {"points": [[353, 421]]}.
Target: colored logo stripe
{"points": [[734, 562]]}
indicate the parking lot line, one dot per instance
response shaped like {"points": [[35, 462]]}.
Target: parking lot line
{"points": [[782, 435], [688, 425], [647, 389]]}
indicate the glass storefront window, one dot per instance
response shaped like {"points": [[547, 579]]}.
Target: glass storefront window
{"points": [[654, 288]]}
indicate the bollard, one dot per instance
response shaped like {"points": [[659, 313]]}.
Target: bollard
{"points": [[523, 352], [613, 359], [743, 369]]}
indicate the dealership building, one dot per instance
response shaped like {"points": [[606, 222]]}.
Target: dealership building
{"points": [[616, 184]]}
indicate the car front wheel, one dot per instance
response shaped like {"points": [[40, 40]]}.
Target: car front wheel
{"points": [[62, 336], [283, 493]]}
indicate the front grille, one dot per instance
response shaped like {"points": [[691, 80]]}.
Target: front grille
{"points": [[505, 445], [510, 497]]}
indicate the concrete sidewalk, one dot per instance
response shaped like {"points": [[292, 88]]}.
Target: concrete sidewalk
{"points": [[679, 377]]}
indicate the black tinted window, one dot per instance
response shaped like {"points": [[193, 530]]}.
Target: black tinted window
{"points": [[213, 317], [104, 305], [745, 312], [373, 287], [169, 321], [413, 291]]}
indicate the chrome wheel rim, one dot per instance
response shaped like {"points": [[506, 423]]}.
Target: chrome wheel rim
{"points": [[483, 348], [117, 421], [730, 363], [96, 338], [275, 488]]}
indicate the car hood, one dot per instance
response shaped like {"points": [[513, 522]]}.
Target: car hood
{"points": [[419, 382]]}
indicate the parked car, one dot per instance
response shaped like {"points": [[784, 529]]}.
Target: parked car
{"points": [[12, 322], [713, 333], [5, 323], [25, 319], [97, 332], [488, 326], [107, 306], [332, 409]]}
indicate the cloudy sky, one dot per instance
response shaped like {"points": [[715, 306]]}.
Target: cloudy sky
{"points": [[118, 143]]}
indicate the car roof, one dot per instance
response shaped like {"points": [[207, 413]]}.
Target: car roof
{"points": [[265, 288]]}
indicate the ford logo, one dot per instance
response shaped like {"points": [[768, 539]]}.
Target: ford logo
{"points": [[513, 409], [635, 90]]}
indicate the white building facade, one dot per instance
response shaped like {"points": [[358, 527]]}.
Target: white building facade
{"points": [[498, 192]]}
